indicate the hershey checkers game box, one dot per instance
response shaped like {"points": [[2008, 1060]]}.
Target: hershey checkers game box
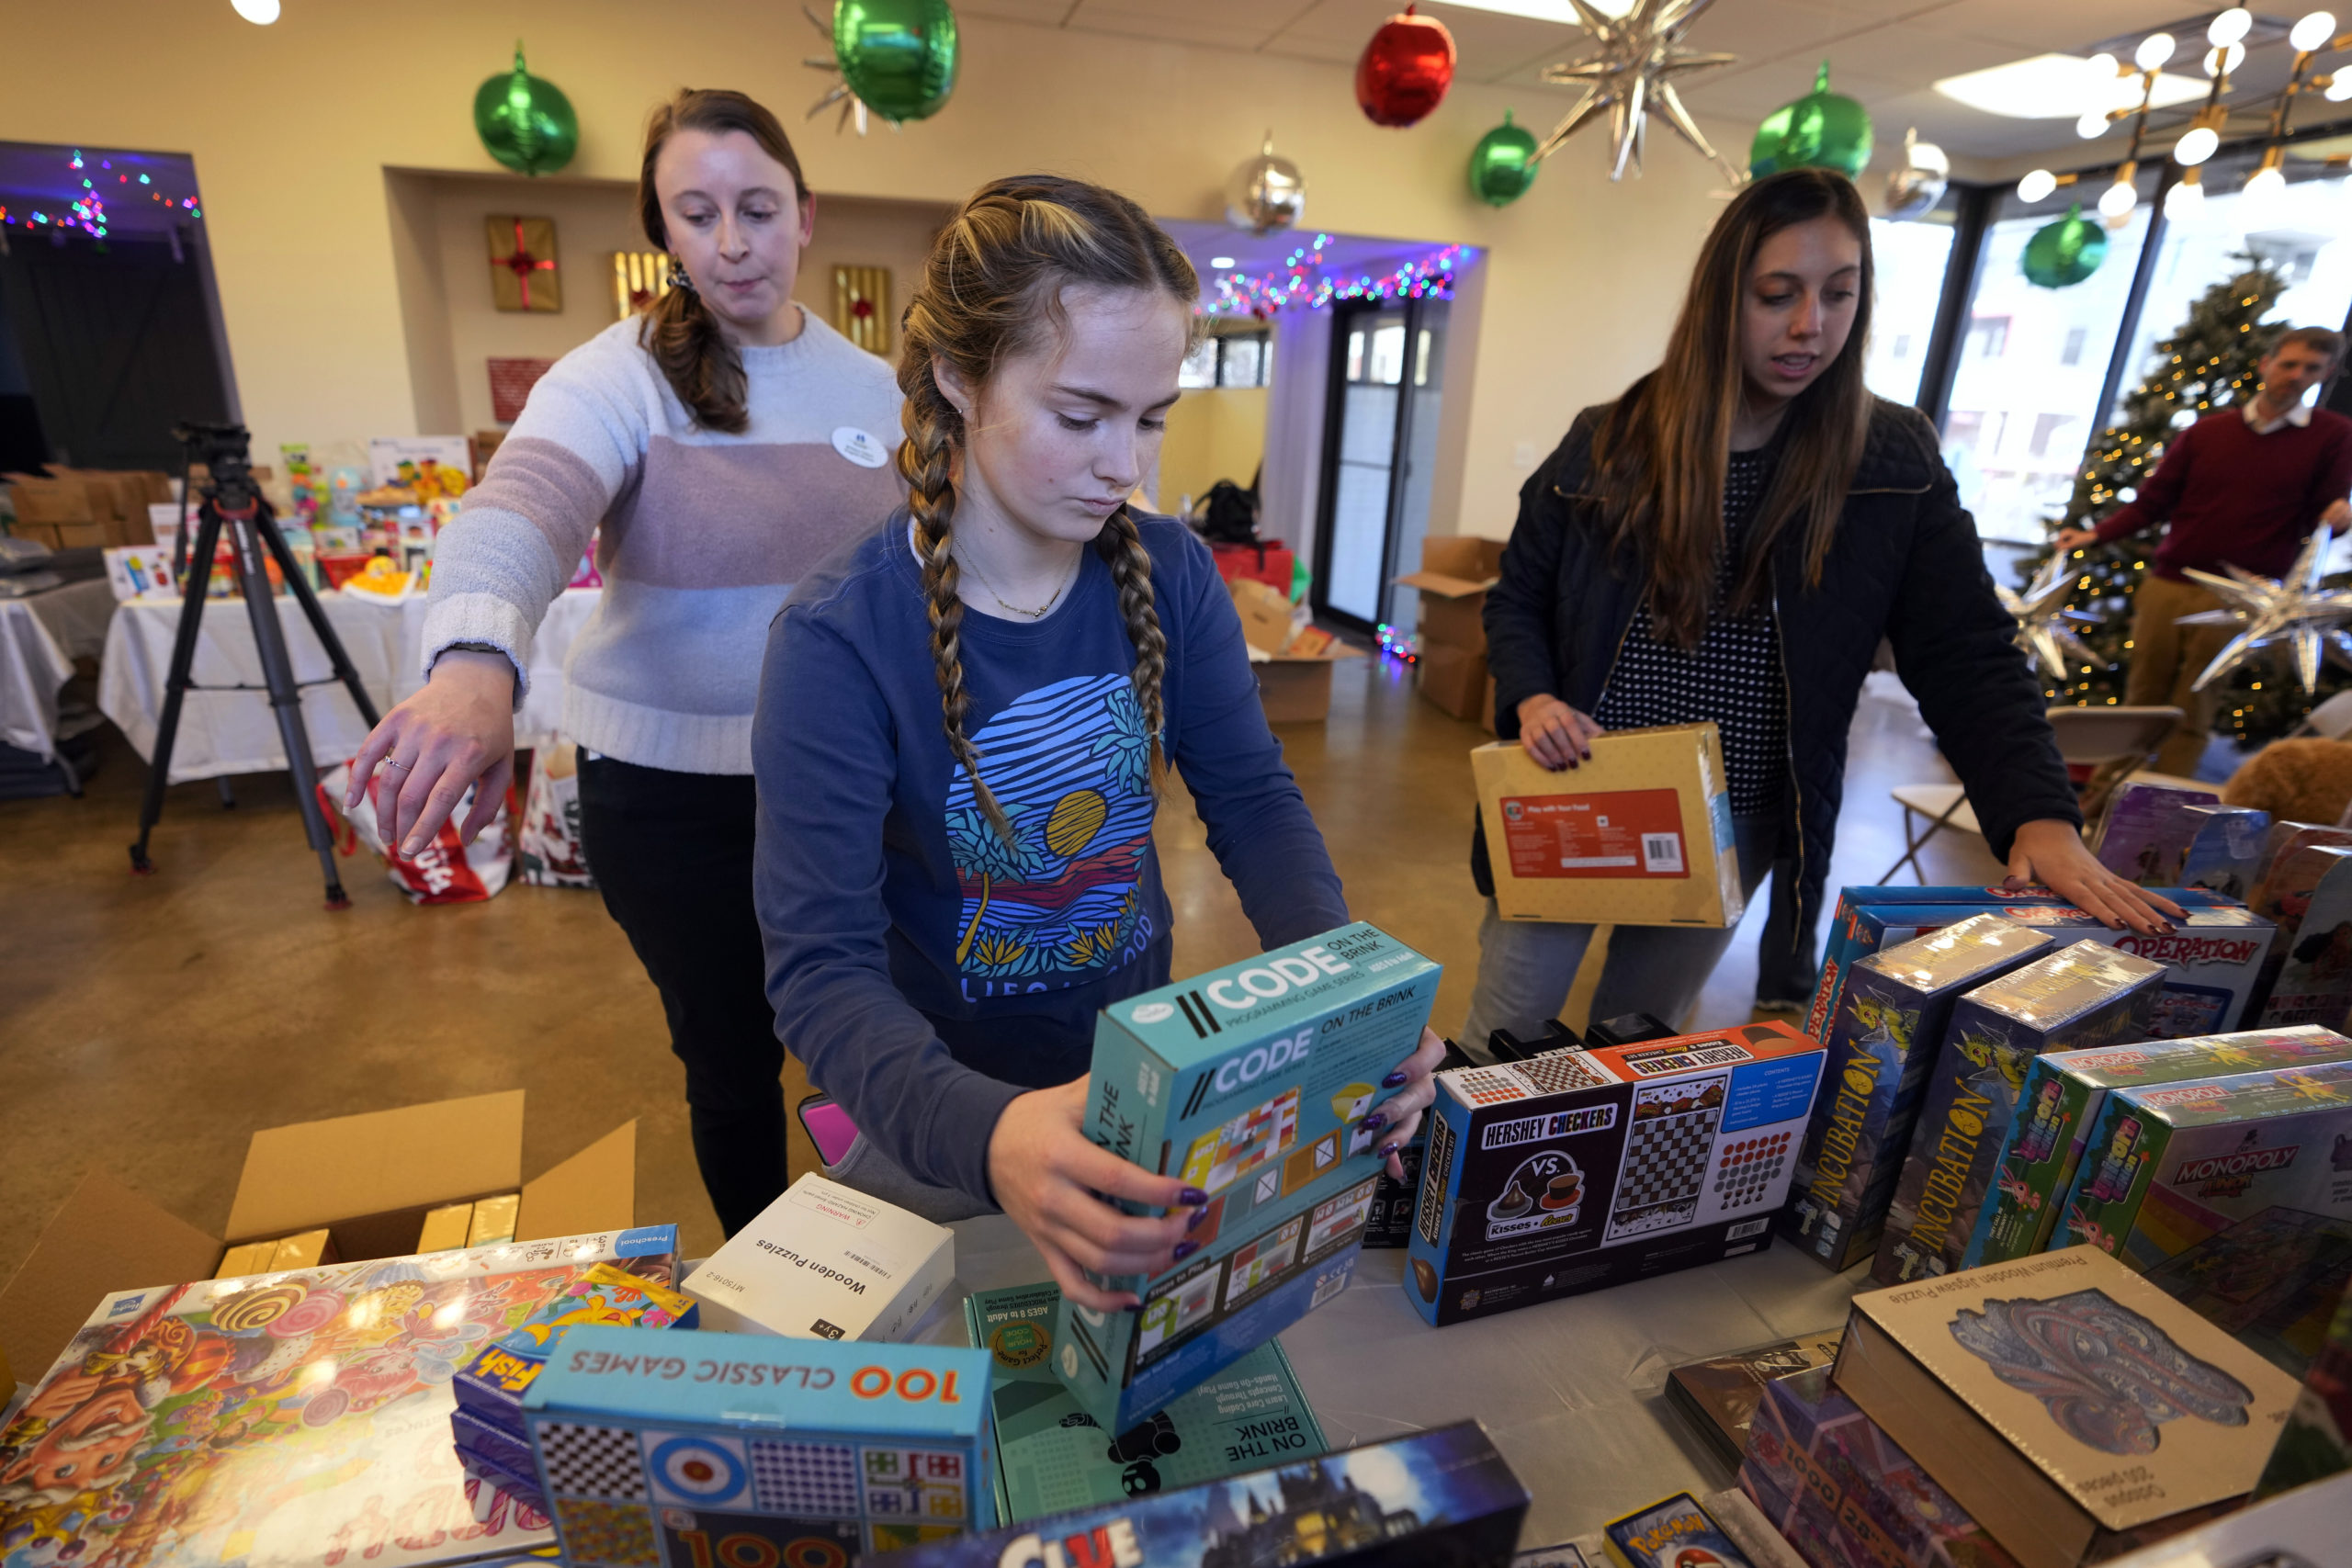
{"points": [[1579, 1168]]}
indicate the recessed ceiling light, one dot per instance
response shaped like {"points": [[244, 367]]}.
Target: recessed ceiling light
{"points": [[1221, 262], [2051, 86], [1558, 11]]}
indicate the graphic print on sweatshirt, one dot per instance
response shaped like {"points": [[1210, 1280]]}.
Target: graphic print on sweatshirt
{"points": [[1070, 764]]}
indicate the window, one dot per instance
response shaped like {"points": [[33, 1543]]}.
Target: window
{"points": [[1911, 259], [1234, 359], [2072, 353], [2046, 425], [1902, 348], [1200, 366], [1988, 336]]}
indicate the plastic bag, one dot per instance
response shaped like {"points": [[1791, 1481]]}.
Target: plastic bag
{"points": [[445, 872], [548, 844]]}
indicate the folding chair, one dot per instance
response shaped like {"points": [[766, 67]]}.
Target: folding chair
{"points": [[2089, 736], [2331, 720]]}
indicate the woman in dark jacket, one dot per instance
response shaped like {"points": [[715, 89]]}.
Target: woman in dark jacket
{"points": [[1730, 540]]}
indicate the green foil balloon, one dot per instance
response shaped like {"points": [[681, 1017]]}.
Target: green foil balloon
{"points": [[897, 56], [2062, 255], [1821, 131], [526, 121], [1503, 163]]}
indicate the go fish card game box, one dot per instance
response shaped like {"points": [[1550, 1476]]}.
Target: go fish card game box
{"points": [[661, 1451], [2060, 1101], [2165, 1167], [2079, 996], [1889, 1026], [490, 1386], [1251, 1083], [1576, 1169]]}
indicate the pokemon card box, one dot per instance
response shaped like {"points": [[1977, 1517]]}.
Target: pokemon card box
{"points": [[1673, 1532], [1254, 1083], [2079, 996], [1439, 1496], [678, 1450], [2059, 1102], [2168, 1167], [1576, 1169]]}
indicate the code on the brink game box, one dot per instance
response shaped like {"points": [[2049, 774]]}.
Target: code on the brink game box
{"points": [[681, 1451], [1576, 1169], [1254, 1083]]}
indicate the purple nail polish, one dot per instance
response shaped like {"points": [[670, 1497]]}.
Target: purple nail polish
{"points": [[1185, 1249], [1193, 1197], [1394, 1080], [1387, 1149], [1376, 1121], [1194, 1222]]}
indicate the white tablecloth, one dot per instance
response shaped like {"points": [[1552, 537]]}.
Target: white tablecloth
{"points": [[234, 732], [33, 665]]}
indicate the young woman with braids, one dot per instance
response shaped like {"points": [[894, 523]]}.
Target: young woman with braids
{"points": [[964, 724], [727, 440]]}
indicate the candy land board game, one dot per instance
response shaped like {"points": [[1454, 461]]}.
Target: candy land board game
{"points": [[2080, 997], [1051, 1457], [1674, 1532], [1254, 1083], [282, 1419], [1890, 1025], [2061, 1100], [2273, 1280], [2307, 977], [673, 1450], [2168, 1167], [1443, 1495], [1577, 1169]]}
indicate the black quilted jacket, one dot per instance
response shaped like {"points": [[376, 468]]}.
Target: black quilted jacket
{"points": [[1905, 566]]}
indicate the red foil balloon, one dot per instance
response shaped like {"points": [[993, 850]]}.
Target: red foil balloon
{"points": [[1406, 70]]}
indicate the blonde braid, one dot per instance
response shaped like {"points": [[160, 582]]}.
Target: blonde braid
{"points": [[1121, 548]]}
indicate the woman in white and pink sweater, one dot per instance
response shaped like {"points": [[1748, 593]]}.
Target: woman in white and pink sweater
{"points": [[727, 440]]}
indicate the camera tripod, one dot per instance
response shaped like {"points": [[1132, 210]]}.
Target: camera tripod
{"points": [[233, 500]]}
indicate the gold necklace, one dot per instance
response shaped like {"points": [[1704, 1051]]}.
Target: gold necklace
{"points": [[1007, 604]]}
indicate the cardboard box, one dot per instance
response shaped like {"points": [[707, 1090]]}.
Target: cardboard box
{"points": [[2307, 978], [1577, 1169], [1440, 1496], [2226, 849], [1641, 835], [1293, 662], [2168, 1167], [632, 1291], [446, 1228], [369, 1180], [655, 1448], [2079, 998], [1457, 571], [825, 1261], [1251, 1083], [2060, 1102], [1455, 680], [1890, 1027], [2072, 1408], [2147, 830]]}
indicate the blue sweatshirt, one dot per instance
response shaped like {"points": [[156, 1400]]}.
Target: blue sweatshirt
{"points": [[924, 971]]}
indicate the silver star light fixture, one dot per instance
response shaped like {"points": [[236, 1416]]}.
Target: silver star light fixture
{"points": [[1630, 74], [2045, 626], [2295, 612]]}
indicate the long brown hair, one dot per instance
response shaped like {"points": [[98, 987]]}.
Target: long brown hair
{"points": [[992, 287], [1661, 453], [680, 332]]}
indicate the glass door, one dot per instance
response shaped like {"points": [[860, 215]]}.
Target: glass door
{"points": [[1379, 454]]}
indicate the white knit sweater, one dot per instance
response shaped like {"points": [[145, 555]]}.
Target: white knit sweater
{"points": [[703, 534]]}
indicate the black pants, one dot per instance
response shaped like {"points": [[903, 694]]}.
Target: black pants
{"points": [[672, 853]]}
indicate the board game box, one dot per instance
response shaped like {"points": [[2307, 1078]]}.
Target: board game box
{"points": [[662, 1451], [282, 1419], [1844, 944], [2273, 1280], [1889, 1023], [2308, 977], [491, 1385], [1718, 1396], [1440, 1497], [2318, 1442], [1051, 1457], [1577, 1169], [2168, 1167], [1254, 1084], [2078, 998], [2226, 848], [2060, 1099], [2147, 830], [1673, 1532], [826, 1261]]}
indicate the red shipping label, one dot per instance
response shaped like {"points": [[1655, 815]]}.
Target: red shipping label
{"points": [[1631, 832]]}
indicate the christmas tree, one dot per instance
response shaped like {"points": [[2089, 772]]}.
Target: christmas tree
{"points": [[2208, 363]]}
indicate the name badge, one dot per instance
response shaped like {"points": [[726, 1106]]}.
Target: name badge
{"points": [[859, 447]]}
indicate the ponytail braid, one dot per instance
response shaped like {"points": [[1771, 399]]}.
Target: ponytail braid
{"points": [[1121, 548]]}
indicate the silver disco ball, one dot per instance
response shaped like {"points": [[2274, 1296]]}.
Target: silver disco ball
{"points": [[1266, 192]]}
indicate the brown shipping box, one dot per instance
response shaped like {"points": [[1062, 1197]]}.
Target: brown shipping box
{"points": [[1457, 571], [2074, 1409], [366, 1180], [1294, 667], [1640, 835], [1453, 679]]}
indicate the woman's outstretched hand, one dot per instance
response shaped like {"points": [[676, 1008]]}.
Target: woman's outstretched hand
{"points": [[2052, 852], [1555, 734], [458, 731], [1400, 1113]]}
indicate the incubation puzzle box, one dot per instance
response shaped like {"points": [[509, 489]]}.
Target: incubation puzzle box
{"points": [[1578, 1169], [1252, 1083], [679, 1451]]}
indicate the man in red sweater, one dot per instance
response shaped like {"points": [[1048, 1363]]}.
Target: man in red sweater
{"points": [[2242, 486]]}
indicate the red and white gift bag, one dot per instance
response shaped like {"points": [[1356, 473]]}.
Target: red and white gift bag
{"points": [[548, 840], [446, 871]]}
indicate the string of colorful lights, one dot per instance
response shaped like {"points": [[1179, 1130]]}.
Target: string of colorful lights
{"points": [[1300, 283], [87, 212]]}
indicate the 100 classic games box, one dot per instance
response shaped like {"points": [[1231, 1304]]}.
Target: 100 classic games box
{"points": [[1579, 1168], [1252, 1083]]}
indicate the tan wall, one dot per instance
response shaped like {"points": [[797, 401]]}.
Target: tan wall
{"points": [[1218, 433], [292, 128]]}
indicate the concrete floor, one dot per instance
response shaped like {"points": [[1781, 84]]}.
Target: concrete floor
{"points": [[151, 1025]]}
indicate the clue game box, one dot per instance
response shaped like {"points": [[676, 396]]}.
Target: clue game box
{"points": [[1576, 1169], [1254, 1083]]}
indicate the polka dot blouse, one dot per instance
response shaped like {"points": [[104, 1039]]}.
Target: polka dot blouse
{"points": [[1732, 677]]}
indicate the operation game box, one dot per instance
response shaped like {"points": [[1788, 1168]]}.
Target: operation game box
{"points": [[2079, 996], [1576, 1169], [2168, 1167], [1252, 1083], [2060, 1099], [674, 1450], [1890, 1025]]}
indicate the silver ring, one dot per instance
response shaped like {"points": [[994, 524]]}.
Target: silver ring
{"points": [[391, 763]]}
